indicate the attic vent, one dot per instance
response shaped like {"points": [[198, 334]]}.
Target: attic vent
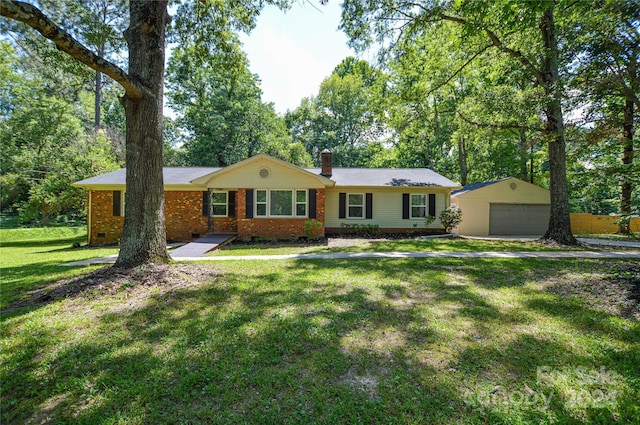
{"points": [[264, 173], [513, 186]]}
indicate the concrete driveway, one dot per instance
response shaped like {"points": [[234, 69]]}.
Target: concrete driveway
{"points": [[621, 243]]}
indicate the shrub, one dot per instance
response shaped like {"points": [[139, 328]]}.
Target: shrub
{"points": [[450, 218], [361, 229], [310, 227]]}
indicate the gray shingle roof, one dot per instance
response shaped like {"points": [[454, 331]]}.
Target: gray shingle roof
{"points": [[366, 177], [475, 186], [389, 177], [171, 175]]}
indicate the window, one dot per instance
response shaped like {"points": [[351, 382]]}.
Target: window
{"points": [[301, 203], [421, 205], [219, 204], [281, 203], [261, 203], [355, 205], [418, 206]]}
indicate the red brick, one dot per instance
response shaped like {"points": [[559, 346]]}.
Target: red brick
{"points": [[183, 214]]}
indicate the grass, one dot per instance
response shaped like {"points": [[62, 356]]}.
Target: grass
{"points": [[390, 245], [501, 341], [30, 258]]}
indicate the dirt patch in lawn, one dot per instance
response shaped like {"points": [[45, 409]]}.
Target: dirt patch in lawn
{"points": [[616, 291], [109, 280]]}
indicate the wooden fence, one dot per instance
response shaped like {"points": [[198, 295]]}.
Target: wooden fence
{"points": [[599, 224]]}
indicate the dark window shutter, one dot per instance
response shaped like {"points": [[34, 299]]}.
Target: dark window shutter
{"points": [[312, 203], [231, 211], [342, 205], [405, 206], [206, 203], [432, 204], [117, 203], [369, 205], [249, 204]]}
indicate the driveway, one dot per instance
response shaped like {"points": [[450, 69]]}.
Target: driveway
{"points": [[621, 243]]}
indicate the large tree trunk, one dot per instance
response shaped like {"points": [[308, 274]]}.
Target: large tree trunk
{"points": [[627, 161], [462, 160], [97, 101], [559, 230], [144, 236], [523, 153]]}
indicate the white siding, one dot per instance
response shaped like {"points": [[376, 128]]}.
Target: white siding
{"points": [[387, 207], [280, 177]]}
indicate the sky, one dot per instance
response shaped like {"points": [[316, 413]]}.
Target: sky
{"points": [[293, 51]]}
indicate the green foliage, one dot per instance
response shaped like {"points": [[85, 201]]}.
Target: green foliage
{"points": [[46, 146], [345, 117], [360, 229], [220, 108], [310, 227], [450, 218]]}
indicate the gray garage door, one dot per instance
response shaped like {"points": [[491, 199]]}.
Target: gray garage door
{"points": [[518, 219]]}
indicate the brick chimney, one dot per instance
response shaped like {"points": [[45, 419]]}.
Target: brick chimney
{"points": [[327, 163]]}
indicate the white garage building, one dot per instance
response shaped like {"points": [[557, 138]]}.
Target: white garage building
{"points": [[502, 207]]}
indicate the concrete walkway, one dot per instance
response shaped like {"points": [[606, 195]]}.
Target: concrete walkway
{"points": [[398, 255], [490, 254], [201, 246]]}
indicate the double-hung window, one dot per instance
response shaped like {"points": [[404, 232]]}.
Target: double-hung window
{"points": [[261, 203], [281, 203], [219, 204], [418, 206], [355, 205], [301, 203]]}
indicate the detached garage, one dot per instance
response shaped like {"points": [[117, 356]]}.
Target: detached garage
{"points": [[502, 207]]}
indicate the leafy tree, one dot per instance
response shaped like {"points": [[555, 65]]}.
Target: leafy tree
{"points": [[507, 27], [220, 107], [144, 234], [45, 145], [345, 116], [608, 77]]}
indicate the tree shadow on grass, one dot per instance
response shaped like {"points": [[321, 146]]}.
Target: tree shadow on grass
{"points": [[18, 295], [230, 353], [42, 243], [309, 343]]}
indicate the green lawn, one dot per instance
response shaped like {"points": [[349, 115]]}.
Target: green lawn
{"points": [[400, 245], [30, 258], [479, 341]]}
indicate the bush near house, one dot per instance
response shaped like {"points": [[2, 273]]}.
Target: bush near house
{"points": [[450, 218]]}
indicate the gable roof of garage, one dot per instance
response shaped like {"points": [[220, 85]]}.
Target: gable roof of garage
{"points": [[476, 186]]}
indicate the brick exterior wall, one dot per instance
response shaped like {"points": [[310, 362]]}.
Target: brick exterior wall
{"points": [[277, 228], [105, 228], [183, 214]]}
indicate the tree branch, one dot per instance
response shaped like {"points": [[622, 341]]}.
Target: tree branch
{"points": [[495, 40], [37, 20], [459, 70], [499, 126]]}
